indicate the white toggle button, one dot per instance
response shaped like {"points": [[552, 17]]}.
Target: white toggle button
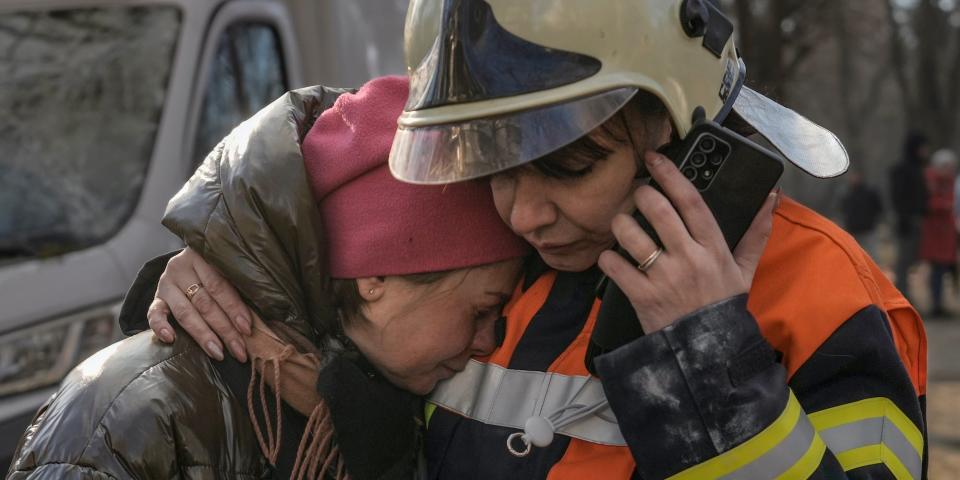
{"points": [[538, 431]]}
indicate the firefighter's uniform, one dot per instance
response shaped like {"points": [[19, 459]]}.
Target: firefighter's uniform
{"points": [[819, 372], [832, 381]]}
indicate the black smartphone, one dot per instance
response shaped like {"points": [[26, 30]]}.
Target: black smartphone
{"points": [[734, 175]]}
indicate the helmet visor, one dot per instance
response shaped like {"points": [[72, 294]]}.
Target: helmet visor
{"points": [[475, 148]]}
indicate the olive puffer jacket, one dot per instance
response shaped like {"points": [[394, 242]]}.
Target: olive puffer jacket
{"points": [[142, 409]]}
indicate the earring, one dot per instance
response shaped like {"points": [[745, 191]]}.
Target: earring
{"points": [[371, 291]]}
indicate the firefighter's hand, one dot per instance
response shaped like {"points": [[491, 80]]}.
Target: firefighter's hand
{"points": [[213, 315], [696, 268]]}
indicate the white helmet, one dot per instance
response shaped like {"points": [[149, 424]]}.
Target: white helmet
{"points": [[495, 84]]}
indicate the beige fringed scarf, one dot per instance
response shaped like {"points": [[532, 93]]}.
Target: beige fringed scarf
{"points": [[276, 356]]}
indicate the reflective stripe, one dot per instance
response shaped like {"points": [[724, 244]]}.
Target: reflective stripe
{"points": [[495, 395], [869, 432], [863, 456], [808, 464], [779, 461], [788, 448], [853, 435], [861, 433]]}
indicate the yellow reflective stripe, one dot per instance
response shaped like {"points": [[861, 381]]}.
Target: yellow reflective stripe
{"points": [[869, 408], [890, 459], [859, 457], [428, 410], [872, 455], [804, 468], [750, 450]]}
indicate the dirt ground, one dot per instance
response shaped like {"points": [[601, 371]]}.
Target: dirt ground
{"points": [[943, 416]]}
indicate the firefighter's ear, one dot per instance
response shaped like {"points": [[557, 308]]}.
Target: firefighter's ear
{"points": [[371, 288]]}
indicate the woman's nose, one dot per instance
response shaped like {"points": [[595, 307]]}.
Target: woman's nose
{"points": [[532, 208], [485, 339]]}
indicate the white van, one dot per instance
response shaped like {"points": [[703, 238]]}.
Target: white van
{"points": [[106, 107]]}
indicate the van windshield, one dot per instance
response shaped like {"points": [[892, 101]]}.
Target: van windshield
{"points": [[82, 92]]}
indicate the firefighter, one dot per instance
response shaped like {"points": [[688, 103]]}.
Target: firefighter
{"points": [[790, 357], [818, 372]]}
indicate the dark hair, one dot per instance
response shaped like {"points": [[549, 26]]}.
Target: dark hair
{"points": [[912, 144], [347, 298], [577, 158]]}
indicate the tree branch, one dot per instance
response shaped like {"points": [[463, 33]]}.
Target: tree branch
{"points": [[799, 55], [803, 39], [898, 63], [953, 89], [870, 101]]}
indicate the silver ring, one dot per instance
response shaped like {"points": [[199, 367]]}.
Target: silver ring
{"points": [[515, 452], [648, 262]]}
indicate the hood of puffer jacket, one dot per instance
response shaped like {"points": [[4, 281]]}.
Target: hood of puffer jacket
{"points": [[249, 212]]}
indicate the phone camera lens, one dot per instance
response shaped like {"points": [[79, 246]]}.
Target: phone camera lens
{"points": [[690, 173], [698, 159], [708, 144], [716, 159]]}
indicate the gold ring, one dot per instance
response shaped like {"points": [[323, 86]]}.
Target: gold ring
{"points": [[646, 264], [192, 290]]}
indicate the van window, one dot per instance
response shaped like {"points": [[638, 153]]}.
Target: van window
{"points": [[369, 47], [81, 91], [246, 74]]}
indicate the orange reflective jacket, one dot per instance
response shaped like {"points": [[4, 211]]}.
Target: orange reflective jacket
{"points": [[811, 280]]}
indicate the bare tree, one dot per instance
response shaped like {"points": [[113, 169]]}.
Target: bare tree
{"points": [[831, 62], [924, 41], [862, 71], [776, 38]]}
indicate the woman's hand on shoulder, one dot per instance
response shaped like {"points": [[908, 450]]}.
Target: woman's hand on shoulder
{"points": [[205, 305], [695, 268]]}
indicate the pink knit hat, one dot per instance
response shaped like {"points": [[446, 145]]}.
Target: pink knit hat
{"points": [[377, 225]]}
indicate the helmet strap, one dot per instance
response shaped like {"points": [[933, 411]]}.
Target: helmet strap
{"points": [[732, 89]]}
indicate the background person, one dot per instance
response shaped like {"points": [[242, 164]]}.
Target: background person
{"points": [[862, 210], [938, 239], [909, 200]]}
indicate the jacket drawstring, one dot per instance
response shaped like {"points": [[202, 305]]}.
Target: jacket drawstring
{"points": [[316, 443], [538, 431], [270, 447]]}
